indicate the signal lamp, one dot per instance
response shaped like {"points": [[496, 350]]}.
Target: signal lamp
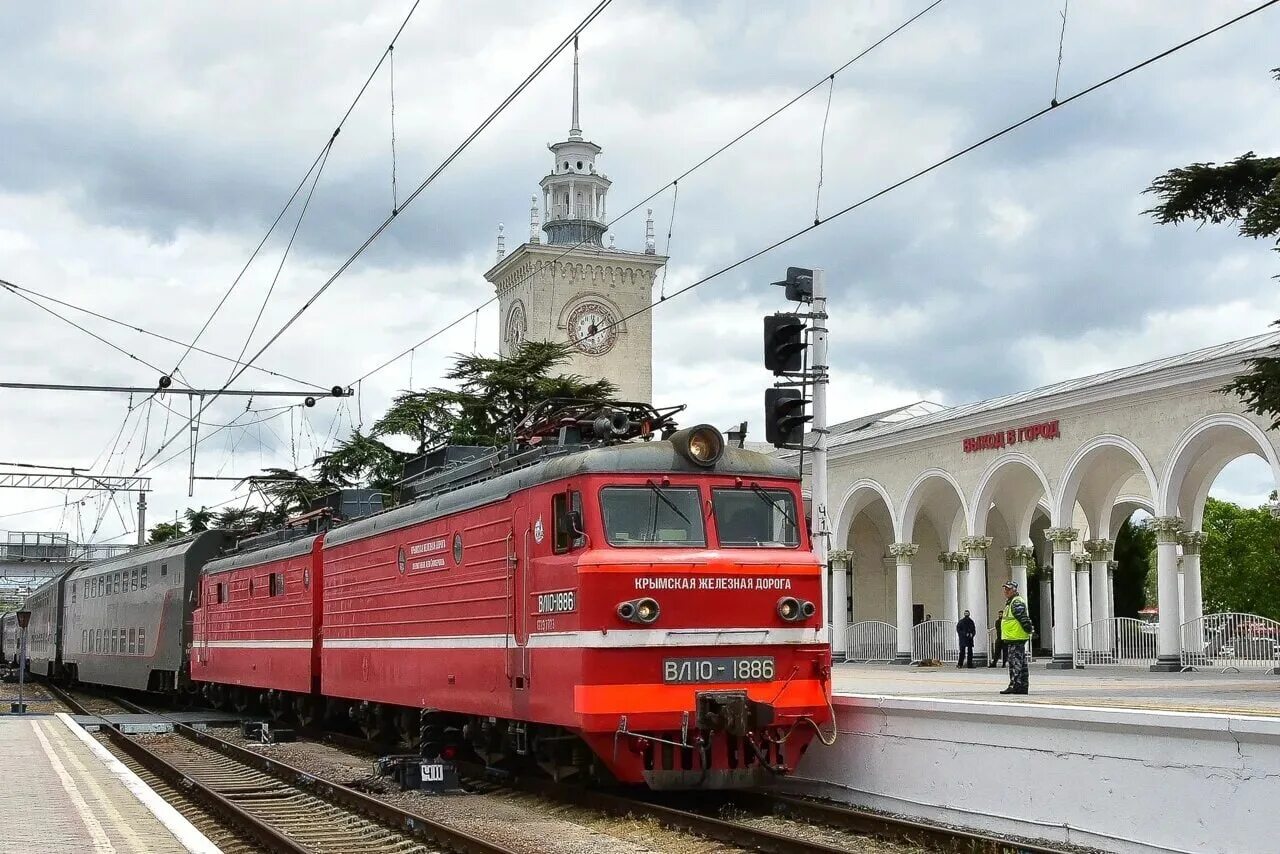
{"points": [[702, 445], [794, 610], [643, 611]]}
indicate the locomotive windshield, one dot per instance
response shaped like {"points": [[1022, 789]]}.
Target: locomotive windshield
{"points": [[755, 517], [652, 515]]}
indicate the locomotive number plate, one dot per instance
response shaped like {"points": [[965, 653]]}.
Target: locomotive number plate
{"points": [[683, 671]]}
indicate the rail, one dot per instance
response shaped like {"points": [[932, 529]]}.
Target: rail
{"points": [[1231, 641], [265, 832]]}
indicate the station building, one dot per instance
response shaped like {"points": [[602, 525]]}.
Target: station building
{"points": [[932, 509]]}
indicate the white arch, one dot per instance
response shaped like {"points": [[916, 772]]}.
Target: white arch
{"points": [[1075, 469], [850, 508], [911, 505], [985, 494], [1186, 454]]}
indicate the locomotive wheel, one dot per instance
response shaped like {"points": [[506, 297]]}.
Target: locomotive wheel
{"points": [[309, 710], [409, 728]]}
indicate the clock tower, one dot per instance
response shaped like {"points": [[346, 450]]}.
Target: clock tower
{"points": [[565, 285]]}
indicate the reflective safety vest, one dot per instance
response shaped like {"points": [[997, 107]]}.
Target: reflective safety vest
{"points": [[1010, 628]]}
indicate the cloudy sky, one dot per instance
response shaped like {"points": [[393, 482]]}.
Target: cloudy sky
{"points": [[148, 146]]}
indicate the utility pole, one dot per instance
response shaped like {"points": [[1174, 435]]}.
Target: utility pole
{"points": [[818, 372], [142, 518]]}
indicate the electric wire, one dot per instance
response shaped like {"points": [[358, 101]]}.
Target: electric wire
{"points": [[141, 331], [948, 159], [386, 223], [83, 329], [297, 189], [692, 169], [1062, 37]]}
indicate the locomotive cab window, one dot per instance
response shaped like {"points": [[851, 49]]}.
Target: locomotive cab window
{"points": [[566, 511], [755, 517], [653, 515]]}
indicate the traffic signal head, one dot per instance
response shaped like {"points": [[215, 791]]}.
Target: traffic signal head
{"points": [[784, 343], [799, 284], [784, 416]]}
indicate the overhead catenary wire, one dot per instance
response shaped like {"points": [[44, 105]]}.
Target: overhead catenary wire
{"points": [[1062, 37], [686, 173], [142, 331], [83, 329], [302, 182], [949, 158], [377, 232], [822, 151]]}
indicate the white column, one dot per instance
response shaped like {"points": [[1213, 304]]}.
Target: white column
{"points": [[1111, 588], [1099, 556], [1182, 594], [1046, 611], [573, 201], [950, 587], [1063, 596], [1193, 592], [1018, 557], [839, 604], [1084, 610], [976, 596], [593, 201], [1169, 644], [903, 553]]}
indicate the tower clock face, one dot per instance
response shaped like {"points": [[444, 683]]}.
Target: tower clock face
{"points": [[593, 328], [517, 325]]}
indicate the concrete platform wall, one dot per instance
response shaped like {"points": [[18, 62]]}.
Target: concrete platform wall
{"points": [[1116, 779]]}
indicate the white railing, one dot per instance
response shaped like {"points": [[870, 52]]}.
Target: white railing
{"points": [[935, 640], [1122, 641], [1231, 641], [872, 641]]}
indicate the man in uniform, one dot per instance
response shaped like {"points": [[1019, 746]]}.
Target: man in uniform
{"points": [[1015, 630], [965, 629]]}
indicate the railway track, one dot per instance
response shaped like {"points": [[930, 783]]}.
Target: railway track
{"points": [[278, 807], [229, 768]]}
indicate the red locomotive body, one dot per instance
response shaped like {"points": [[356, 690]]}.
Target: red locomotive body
{"points": [[651, 601], [257, 624]]}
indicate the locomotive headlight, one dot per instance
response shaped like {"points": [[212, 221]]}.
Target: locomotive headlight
{"points": [[794, 610], [702, 445], [639, 610]]}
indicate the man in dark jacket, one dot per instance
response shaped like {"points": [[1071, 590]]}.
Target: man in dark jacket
{"points": [[965, 629], [1015, 630]]}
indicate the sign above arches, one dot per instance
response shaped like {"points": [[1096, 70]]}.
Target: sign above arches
{"points": [[1013, 436]]}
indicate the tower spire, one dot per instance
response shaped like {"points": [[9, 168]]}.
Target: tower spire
{"points": [[575, 131]]}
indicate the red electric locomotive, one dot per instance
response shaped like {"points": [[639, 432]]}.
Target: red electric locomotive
{"points": [[594, 598]]}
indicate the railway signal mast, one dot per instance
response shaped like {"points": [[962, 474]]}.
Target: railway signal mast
{"points": [[785, 351]]}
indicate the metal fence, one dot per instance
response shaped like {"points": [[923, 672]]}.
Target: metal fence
{"points": [[872, 641], [1122, 641], [935, 640], [1231, 641]]}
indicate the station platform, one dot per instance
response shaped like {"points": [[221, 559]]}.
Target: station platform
{"points": [[1256, 694], [64, 791], [1106, 758]]}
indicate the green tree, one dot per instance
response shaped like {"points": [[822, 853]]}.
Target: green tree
{"points": [[361, 460], [198, 520], [1133, 548], [287, 490], [1244, 192], [238, 520], [165, 531], [493, 395], [1240, 559]]}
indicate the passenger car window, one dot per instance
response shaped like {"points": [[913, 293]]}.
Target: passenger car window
{"points": [[277, 584], [133, 579], [653, 515], [144, 578], [142, 641], [755, 518]]}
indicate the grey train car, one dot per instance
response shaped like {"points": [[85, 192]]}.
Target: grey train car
{"points": [[43, 637], [9, 639], [127, 620]]}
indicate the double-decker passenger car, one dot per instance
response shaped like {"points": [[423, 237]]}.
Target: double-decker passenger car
{"points": [[126, 621], [9, 639], [44, 640]]}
